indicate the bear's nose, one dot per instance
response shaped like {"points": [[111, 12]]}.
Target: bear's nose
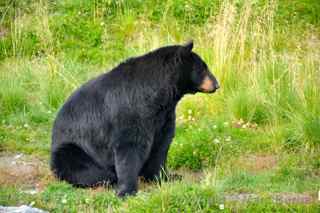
{"points": [[207, 85], [217, 86]]}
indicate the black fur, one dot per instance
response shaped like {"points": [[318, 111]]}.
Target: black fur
{"points": [[119, 125]]}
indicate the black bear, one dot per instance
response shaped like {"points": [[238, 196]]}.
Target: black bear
{"points": [[119, 126]]}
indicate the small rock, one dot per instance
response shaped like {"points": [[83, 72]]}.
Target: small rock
{"points": [[242, 197], [20, 209], [291, 198], [221, 206], [18, 156], [31, 191]]}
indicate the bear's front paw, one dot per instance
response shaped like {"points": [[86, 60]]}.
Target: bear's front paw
{"points": [[126, 191]]}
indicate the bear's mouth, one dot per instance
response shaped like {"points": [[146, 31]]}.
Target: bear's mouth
{"points": [[208, 85]]}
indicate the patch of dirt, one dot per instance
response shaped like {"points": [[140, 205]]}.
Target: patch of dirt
{"points": [[283, 197], [182, 174], [3, 32], [23, 170], [189, 175], [292, 198], [241, 197], [258, 163], [32, 175]]}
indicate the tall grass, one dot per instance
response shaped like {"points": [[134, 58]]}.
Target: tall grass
{"points": [[269, 72]]}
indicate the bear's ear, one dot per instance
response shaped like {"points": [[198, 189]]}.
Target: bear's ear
{"points": [[186, 49], [188, 46]]}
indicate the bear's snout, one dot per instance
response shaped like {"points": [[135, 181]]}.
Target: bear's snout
{"points": [[209, 84]]}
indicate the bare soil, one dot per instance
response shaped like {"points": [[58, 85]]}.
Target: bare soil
{"points": [[23, 171], [3, 32], [28, 172], [283, 197], [258, 163]]}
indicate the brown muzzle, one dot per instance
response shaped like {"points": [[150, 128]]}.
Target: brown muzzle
{"points": [[209, 84]]}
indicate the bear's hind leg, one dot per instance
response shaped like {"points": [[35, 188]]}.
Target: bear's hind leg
{"points": [[70, 163]]}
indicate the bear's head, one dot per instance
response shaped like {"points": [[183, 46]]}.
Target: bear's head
{"points": [[195, 74]]}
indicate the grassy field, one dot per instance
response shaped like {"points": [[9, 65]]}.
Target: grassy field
{"points": [[252, 146]]}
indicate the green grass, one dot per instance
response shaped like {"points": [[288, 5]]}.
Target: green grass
{"points": [[265, 55], [61, 197]]}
